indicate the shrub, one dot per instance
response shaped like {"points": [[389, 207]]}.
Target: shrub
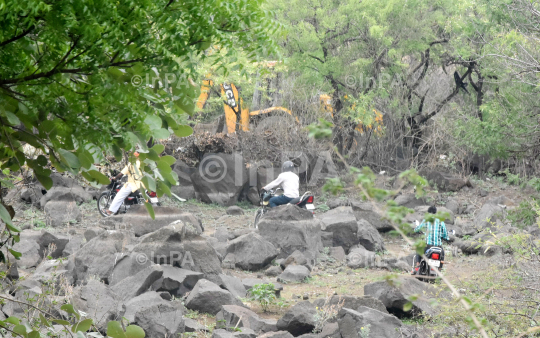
{"points": [[264, 294]]}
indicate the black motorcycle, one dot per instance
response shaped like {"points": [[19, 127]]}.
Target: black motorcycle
{"points": [[304, 202], [426, 270], [105, 199]]}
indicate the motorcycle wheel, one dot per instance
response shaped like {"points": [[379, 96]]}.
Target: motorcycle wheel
{"points": [[103, 203], [258, 216]]}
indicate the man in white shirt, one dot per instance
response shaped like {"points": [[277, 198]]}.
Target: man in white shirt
{"points": [[133, 184], [290, 183]]}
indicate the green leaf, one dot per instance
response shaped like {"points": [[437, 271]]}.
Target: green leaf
{"points": [[161, 134], [134, 331], [13, 320], [12, 119], [86, 159], [183, 131], [83, 326], [168, 159], [60, 321], [44, 320], [153, 121], [69, 158], [114, 330], [34, 334], [150, 210], [158, 148], [407, 307], [117, 152], [46, 181], [15, 254], [69, 309], [149, 182], [20, 329], [99, 177], [4, 215]]}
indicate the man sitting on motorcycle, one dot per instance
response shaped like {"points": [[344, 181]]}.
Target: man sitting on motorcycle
{"points": [[435, 233], [133, 184], [290, 183]]}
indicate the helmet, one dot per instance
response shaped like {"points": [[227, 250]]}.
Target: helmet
{"points": [[287, 166]]}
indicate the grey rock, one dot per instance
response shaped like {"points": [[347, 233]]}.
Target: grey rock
{"points": [[161, 320], [380, 324], [339, 254], [359, 257], [75, 194], [90, 233], [96, 299], [487, 214], [141, 303], [223, 235], [128, 265], [74, 244], [60, 212], [208, 297], [341, 221], [273, 271], [294, 274], [277, 334], [291, 228], [299, 319], [394, 297], [177, 281], [327, 239], [234, 211], [138, 284], [237, 316], [252, 252], [351, 302], [233, 285], [369, 237], [296, 258]]}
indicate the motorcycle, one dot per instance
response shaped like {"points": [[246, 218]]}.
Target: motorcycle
{"points": [[105, 199], [427, 266], [305, 202]]}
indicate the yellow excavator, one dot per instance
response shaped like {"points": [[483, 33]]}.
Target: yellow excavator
{"points": [[236, 112]]}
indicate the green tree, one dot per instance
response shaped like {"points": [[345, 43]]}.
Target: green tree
{"points": [[79, 78]]}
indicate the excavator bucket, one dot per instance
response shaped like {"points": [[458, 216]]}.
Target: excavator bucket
{"points": [[205, 93]]}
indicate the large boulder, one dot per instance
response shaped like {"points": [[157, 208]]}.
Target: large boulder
{"points": [[265, 176], [33, 194], [179, 245], [139, 221], [369, 237], [367, 211], [277, 334], [290, 228], [161, 320], [140, 303], [137, 284], [61, 212], [341, 221], [177, 281], [29, 248], [220, 178], [409, 201], [98, 256], [299, 319], [208, 297], [296, 258], [446, 181], [378, 324], [237, 316], [488, 214], [233, 285], [294, 274], [52, 244], [252, 252], [395, 296], [359, 257], [75, 193], [350, 302], [98, 301], [128, 265]]}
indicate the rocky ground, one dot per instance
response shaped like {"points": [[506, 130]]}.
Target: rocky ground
{"points": [[329, 270]]}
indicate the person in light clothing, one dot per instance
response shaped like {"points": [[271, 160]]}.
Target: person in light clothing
{"points": [[290, 183], [133, 184]]}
